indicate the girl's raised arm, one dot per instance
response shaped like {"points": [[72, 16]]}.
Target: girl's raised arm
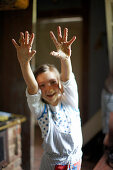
{"points": [[24, 55], [63, 52]]}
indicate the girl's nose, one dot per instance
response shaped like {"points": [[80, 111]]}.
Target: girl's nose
{"points": [[49, 88]]}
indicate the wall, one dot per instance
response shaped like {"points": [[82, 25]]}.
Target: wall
{"points": [[12, 86], [47, 5], [98, 57]]}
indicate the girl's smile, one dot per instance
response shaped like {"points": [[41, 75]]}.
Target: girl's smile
{"points": [[49, 85]]}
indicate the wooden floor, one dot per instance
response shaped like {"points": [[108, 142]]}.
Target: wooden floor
{"points": [[102, 165], [86, 164]]}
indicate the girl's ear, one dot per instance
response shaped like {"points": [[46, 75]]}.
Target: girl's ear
{"points": [[60, 87]]}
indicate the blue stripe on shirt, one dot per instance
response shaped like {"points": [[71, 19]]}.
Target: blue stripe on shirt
{"points": [[44, 112]]}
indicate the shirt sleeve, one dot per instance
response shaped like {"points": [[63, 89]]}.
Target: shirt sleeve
{"points": [[71, 92], [35, 104]]}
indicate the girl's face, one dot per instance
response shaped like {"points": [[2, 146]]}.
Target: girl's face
{"points": [[50, 87]]}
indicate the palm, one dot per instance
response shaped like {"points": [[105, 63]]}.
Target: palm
{"points": [[24, 51]]}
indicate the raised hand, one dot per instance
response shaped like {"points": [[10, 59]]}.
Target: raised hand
{"points": [[62, 45], [24, 49]]}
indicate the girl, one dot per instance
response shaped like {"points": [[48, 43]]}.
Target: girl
{"points": [[53, 98]]}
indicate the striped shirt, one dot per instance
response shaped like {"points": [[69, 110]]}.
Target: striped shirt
{"points": [[60, 126]]}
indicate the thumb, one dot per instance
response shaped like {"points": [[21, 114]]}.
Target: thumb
{"points": [[59, 54], [56, 54], [15, 44], [33, 53]]}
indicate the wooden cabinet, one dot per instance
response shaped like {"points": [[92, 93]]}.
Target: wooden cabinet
{"points": [[10, 145]]}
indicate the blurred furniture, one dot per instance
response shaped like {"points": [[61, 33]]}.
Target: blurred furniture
{"points": [[10, 143]]}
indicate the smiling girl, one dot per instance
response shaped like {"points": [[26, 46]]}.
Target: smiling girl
{"points": [[53, 98]]}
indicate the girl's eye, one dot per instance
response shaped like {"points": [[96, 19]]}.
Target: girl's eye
{"points": [[53, 82], [41, 85]]}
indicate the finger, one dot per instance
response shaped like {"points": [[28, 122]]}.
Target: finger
{"points": [[26, 37], [54, 39], [31, 39], [15, 44], [71, 41], [65, 35], [59, 33], [21, 38]]}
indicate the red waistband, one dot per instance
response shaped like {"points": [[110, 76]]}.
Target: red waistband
{"points": [[64, 167]]}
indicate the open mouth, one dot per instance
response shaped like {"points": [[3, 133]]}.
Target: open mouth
{"points": [[51, 95]]}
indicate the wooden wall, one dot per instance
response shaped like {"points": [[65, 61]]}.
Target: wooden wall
{"points": [[12, 86]]}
